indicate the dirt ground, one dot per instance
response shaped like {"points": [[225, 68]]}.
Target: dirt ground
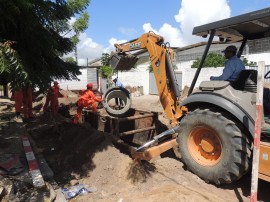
{"points": [[79, 154]]}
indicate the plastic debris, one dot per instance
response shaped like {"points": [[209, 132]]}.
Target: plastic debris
{"points": [[72, 191]]}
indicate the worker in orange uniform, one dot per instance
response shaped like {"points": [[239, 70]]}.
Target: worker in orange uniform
{"points": [[18, 98], [86, 99], [27, 101], [52, 98]]}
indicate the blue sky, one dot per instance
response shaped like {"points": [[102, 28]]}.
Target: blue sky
{"points": [[122, 20]]}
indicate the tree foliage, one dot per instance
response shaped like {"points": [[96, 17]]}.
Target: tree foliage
{"points": [[212, 60], [105, 59], [249, 63], [105, 71], [70, 60], [217, 60], [80, 24], [31, 40]]}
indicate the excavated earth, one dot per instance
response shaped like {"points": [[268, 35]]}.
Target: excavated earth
{"points": [[79, 154]]}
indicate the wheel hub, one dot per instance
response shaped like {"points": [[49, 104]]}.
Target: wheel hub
{"points": [[207, 145], [204, 146]]}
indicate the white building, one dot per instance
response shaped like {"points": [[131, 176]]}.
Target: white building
{"points": [[140, 77]]}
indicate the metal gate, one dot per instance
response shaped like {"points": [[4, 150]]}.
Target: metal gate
{"points": [[152, 82], [92, 76]]}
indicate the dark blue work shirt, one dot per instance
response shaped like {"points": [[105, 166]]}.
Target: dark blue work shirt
{"points": [[231, 71], [119, 84]]}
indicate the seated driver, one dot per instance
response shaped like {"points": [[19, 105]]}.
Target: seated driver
{"points": [[233, 66]]}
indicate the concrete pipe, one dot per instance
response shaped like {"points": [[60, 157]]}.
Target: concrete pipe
{"points": [[117, 101]]}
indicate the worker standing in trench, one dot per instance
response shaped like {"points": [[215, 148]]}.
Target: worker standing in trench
{"points": [[86, 99], [27, 102], [18, 99], [52, 98], [119, 103]]}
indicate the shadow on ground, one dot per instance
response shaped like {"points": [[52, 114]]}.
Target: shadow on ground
{"points": [[68, 148]]}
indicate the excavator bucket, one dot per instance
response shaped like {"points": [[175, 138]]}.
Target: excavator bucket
{"points": [[122, 62]]}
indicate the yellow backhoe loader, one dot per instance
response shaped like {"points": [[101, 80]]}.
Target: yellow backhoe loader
{"points": [[213, 128]]}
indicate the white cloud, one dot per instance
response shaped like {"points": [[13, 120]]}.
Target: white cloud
{"points": [[196, 12], [111, 47], [192, 13], [87, 48], [148, 27], [171, 34], [72, 20], [71, 32]]}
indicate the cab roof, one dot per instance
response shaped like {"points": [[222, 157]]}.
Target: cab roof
{"points": [[253, 25]]}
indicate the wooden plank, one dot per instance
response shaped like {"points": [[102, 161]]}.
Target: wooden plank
{"points": [[135, 117]]}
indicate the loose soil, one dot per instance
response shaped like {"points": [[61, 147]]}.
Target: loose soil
{"points": [[81, 154]]}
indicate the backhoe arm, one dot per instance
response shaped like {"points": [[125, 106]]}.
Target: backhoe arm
{"points": [[161, 59]]}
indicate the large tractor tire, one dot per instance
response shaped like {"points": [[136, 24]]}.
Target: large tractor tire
{"points": [[213, 147], [117, 93]]}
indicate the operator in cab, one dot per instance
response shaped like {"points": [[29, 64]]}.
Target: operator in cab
{"points": [[233, 66]]}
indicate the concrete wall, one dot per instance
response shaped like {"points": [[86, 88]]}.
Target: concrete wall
{"points": [[73, 84], [188, 75], [258, 46], [135, 78], [87, 75], [139, 77], [259, 57]]}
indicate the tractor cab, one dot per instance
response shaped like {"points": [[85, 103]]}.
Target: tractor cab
{"points": [[220, 125], [249, 29]]}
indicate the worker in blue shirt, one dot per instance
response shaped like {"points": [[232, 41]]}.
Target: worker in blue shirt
{"points": [[119, 103], [117, 82], [233, 66]]}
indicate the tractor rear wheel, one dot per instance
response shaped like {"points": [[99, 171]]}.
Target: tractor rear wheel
{"points": [[213, 147]]}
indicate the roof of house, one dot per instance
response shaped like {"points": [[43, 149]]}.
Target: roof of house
{"points": [[95, 63]]}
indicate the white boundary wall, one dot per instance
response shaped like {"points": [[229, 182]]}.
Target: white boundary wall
{"points": [[140, 77], [73, 84], [188, 75], [135, 78]]}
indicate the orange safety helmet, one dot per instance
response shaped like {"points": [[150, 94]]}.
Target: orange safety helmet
{"points": [[89, 86]]}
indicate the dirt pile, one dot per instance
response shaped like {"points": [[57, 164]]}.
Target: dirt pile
{"points": [[81, 154]]}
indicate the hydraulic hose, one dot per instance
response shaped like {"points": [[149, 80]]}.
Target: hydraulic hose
{"points": [[172, 76], [156, 138]]}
